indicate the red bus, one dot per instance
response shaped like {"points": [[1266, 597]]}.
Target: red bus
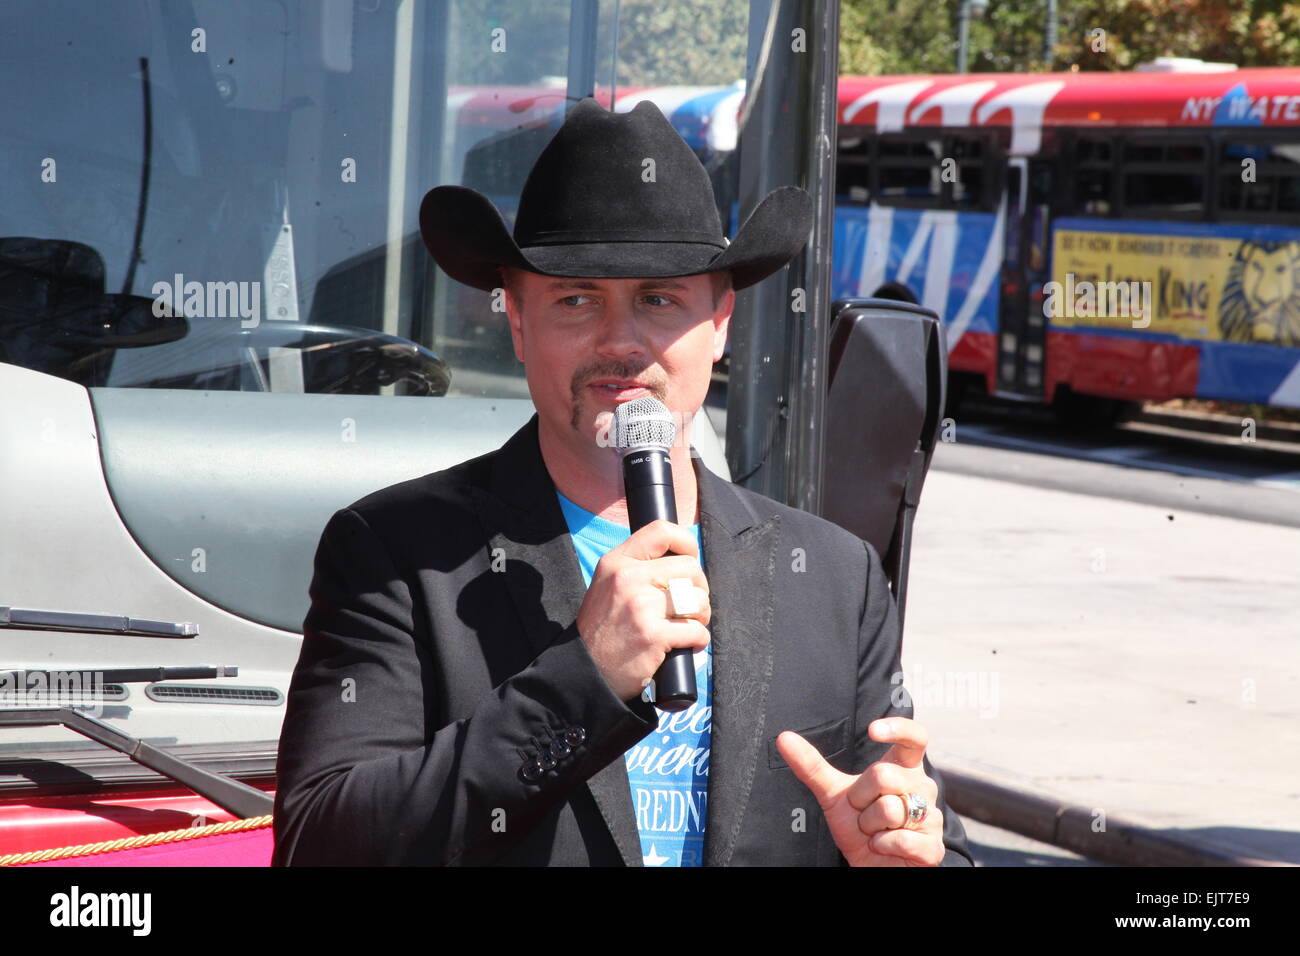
{"points": [[1090, 239]]}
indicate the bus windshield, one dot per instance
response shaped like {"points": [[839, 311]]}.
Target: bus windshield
{"points": [[224, 194], [213, 289]]}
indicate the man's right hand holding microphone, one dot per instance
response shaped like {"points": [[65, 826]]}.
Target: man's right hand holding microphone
{"points": [[627, 616]]}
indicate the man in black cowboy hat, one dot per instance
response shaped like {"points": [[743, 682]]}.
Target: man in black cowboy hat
{"points": [[506, 721]]}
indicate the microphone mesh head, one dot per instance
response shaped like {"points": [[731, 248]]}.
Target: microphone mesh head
{"points": [[643, 423]]}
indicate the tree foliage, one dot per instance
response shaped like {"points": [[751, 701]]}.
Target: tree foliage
{"points": [[692, 42], [704, 41], [659, 44], [915, 36]]}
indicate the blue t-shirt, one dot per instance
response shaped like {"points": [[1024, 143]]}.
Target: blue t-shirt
{"points": [[669, 769]]}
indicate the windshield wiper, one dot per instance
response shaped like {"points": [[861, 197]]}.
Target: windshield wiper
{"points": [[231, 795], [125, 675], [97, 623]]}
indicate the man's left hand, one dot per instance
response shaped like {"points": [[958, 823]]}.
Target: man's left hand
{"points": [[866, 812]]}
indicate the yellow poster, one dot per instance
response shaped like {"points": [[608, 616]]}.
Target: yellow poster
{"points": [[1217, 288]]}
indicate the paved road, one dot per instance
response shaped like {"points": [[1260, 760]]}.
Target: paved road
{"points": [[1136, 445], [1194, 472], [1135, 657]]}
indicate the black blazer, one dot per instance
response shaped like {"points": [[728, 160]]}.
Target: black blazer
{"points": [[445, 711]]}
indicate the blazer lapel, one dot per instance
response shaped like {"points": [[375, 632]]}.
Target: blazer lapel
{"points": [[740, 564], [526, 529], [522, 518]]}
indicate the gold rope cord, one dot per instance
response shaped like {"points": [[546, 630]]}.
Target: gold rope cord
{"points": [[131, 843]]}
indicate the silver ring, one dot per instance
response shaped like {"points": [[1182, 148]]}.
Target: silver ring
{"points": [[683, 596], [917, 809]]}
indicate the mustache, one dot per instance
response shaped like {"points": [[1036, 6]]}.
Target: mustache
{"points": [[623, 370]]}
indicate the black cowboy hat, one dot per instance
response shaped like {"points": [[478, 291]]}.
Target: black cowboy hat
{"points": [[612, 196]]}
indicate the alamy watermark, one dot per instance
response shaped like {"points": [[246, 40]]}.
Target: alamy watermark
{"points": [[82, 690], [1085, 299], [949, 690], [209, 300], [129, 910]]}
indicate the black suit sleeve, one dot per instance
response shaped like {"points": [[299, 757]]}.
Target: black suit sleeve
{"points": [[881, 694], [363, 776]]}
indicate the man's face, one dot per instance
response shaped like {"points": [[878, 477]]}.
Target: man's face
{"points": [[579, 338]]}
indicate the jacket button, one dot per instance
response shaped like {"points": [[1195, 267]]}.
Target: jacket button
{"points": [[531, 770], [575, 736], [545, 761], [560, 748]]}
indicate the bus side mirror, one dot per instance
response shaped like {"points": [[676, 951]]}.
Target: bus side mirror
{"points": [[888, 367]]}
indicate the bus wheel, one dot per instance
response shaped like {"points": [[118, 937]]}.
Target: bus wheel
{"points": [[1090, 411]]}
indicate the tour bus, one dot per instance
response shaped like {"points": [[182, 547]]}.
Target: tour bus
{"points": [[1090, 239], [218, 325]]}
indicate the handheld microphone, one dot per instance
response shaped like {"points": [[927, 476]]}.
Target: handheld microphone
{"points": [[644, 431]]}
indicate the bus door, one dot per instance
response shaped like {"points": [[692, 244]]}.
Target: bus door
{"points": [[1021, 342]]}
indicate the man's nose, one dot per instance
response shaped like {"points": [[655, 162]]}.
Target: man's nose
{"points": [[618, 332]]}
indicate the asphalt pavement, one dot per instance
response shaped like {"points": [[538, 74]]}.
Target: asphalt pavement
{"points": [[1119, 675]]}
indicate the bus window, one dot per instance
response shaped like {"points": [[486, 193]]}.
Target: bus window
{"points": [[1165, 178], [1288, 196], [1092, 151], [1238, 195], [1155, 192], [853, 169], [971, 156], [1259, 178], [908, 170], [1093, 174]]}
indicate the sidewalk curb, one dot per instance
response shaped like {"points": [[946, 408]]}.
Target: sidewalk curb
{"points": [[986, 797], [1283, 433]]}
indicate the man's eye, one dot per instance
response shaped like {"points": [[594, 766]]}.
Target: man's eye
{"points": [[663, 299], [572, 300]]}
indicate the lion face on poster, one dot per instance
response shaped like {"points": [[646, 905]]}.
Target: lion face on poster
{"points": [[1261, 296]]}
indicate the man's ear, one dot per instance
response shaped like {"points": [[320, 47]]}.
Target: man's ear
{"points": [[514, 317], [722, 323]]}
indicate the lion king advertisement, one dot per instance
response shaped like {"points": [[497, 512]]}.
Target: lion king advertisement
{"points": [[1206, 287]]}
